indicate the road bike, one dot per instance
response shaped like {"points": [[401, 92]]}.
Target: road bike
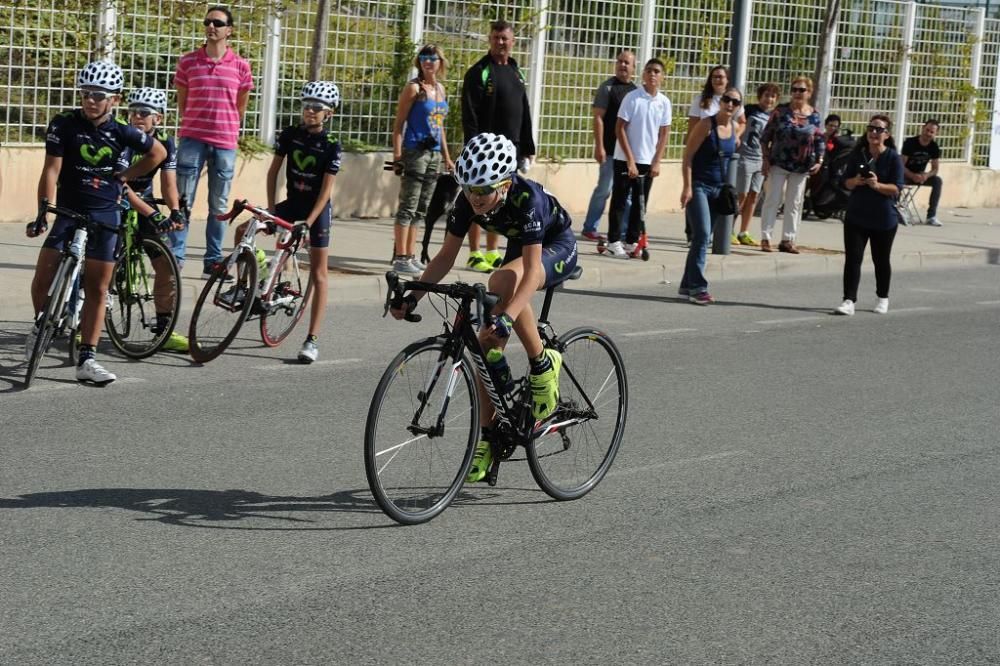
{"points": [[144, 298], [236, 291], [62, 312], [423, 422]]}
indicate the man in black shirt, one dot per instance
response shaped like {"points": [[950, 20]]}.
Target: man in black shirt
{"points": [[495, 99], [917, 152], [607, 99]]}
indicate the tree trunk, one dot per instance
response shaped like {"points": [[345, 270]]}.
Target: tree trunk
{"points": [[317, 60], [821, 94]]}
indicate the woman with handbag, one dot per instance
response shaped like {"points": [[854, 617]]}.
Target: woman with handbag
{"points": [[707, 196], [793, 144]]}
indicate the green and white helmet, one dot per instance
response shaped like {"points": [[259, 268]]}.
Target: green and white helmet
{"points": [[101, 74], [486, 160], [322, 91], [150, 97]]}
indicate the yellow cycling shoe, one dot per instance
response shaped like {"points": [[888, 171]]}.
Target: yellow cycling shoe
{"points": [[176, 343], [545, 387], [481, 462]]}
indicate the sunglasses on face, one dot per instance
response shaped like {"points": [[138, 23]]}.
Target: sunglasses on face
{"points": [[315, 107], [218, 23], [141, 111], [428, 58], [95, 95], [800, 90], [483, 190], [731, 100], [718, 76], [875, 129]]}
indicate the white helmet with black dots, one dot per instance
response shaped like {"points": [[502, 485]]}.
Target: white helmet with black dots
{"points": [[322, 91], [101, 74], [486, 160], [151, 97]]}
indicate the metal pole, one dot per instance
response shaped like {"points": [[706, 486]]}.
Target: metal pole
{"points": [[269, 83], [317, 58], [825, 83], [538, 66], [107, 18], [977, 65], [903, 87], [739, 47], [647, 28], [417, 28]]}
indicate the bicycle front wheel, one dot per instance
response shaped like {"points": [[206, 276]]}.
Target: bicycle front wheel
{"points": [[571, 451], [421, 432], [223, 306], [287, 300], [49, 318], [144, 299]]}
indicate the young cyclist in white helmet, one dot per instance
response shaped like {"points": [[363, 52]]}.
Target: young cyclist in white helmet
{"points": [[541, 252], [83, 151]]}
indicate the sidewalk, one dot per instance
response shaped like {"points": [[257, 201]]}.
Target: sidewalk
{"points": [[360, 252]]}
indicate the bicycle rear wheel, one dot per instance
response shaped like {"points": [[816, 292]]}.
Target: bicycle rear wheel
{"points": [[284, 305], [222, 307], [414, 474], [131, 317], [49, 318], [572, 450]]}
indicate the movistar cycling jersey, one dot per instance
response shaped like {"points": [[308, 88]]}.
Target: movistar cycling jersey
{"points": [[529, 216], [144, 184], [310, 157], [90, 156]]}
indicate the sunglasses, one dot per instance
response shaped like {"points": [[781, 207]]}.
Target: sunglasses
{"points": [[218, 23], [484, 190], [800, 90], [141, 111], [428, 58], [875, 129], [730, 100], [315, 107], [95, 95]]}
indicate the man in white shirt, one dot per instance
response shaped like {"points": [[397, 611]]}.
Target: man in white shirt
{"points": [[642, 129]]}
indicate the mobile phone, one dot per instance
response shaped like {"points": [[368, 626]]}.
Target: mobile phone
{"points": [[864, 170]]}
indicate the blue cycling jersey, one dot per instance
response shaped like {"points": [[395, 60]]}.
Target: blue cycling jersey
{"points": [[529, 216], [144, 184], [311, 156], [90, 156]]}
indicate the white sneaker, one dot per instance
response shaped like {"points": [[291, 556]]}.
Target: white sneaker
{"points": [[934, 222], [92, 371], [882, 306], [629, 248], [416, 263], [845, 308], [616, 250], [309, 352], [29, 343], [403, 265]]}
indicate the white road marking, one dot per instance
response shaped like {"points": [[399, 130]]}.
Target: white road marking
{"points": [[663, 331], [47, 388], [987, 302], [790, 320], [289, 366], [722, 455], [920, 308]]}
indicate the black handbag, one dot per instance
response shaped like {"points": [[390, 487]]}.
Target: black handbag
{"points": [[727, 201]]}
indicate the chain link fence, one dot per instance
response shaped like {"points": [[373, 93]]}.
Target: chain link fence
{"points": [[565, 47]]}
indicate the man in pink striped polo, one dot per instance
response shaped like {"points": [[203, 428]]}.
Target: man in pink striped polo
{"points": [[213, 87]]}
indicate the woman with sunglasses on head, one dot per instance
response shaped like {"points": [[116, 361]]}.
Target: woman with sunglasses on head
{"points": [[417, 152], [146, 109], [710, 145], [874, 175], [314, 161], [541, 252], [83, 154], [793, 145]]}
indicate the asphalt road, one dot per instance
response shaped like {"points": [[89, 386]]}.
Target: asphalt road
{"points": [[793, 488]]}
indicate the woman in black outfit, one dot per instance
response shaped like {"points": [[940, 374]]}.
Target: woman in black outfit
{"points": [[874, 177]]}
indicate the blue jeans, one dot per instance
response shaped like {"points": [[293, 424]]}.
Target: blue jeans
{"points": [[192, 156], [605, 178], [700, 219]]}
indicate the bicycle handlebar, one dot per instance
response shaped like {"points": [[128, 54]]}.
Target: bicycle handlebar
{"points": [[460, 291], [242, 205]]}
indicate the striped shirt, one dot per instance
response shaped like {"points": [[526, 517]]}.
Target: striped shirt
{"points": [[211, 114]]}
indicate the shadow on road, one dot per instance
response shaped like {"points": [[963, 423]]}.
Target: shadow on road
{"points": [[213, 509]]}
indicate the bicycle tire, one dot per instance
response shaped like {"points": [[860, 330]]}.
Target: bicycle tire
{"points": [[212, 328], [278, 324], [53, 308], [568, 462], [131, 320], [431, 470]]}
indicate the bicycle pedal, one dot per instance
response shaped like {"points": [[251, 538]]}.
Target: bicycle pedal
{"points": [[493, 473]]}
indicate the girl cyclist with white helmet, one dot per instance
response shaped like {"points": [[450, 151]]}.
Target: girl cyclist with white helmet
{"points": [[541, 252], [83, 150]]}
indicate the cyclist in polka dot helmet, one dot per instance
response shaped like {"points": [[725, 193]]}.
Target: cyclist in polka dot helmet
{"points": [[150, 98], [101, 75], [541, 252], [324, 92]]}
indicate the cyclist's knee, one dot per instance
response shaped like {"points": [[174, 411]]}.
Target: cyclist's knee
{"points": [[503, 282]]}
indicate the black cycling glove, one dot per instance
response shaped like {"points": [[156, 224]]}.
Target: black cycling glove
{"points": [[161, 223]]}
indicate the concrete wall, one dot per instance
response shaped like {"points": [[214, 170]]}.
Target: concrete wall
{"points": [[364, 190]]}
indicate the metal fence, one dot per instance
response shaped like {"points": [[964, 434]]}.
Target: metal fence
{"points": [[912, 61]]}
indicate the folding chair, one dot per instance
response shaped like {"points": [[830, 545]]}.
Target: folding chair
{"points": [[906, 205]]}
